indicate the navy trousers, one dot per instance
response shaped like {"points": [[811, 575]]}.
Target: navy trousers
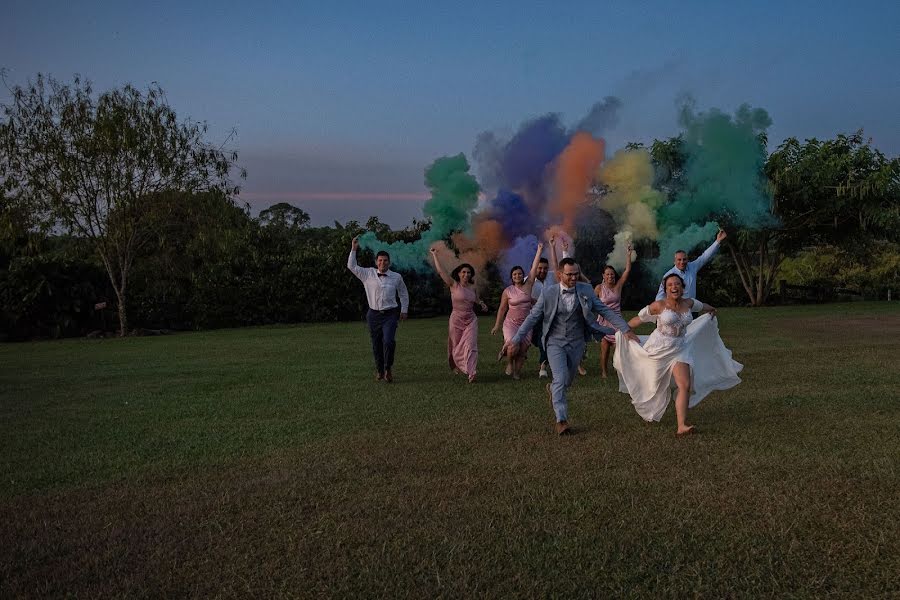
{"points": [[536, 334], [382, 330]]}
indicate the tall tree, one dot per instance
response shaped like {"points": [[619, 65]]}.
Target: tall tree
{"points": [[93, 164]]}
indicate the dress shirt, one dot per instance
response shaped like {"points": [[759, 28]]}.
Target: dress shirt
{"points": [[381, 291], [689, 274], [567, 297]]}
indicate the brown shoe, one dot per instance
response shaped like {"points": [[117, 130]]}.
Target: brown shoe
{"points": [[379, 376], [562, 428], [388, 376]]}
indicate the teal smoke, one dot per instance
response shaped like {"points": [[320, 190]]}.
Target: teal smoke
{"points": [[454, 195]]}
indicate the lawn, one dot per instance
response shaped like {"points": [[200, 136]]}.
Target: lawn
{"points": [[267, 462]]}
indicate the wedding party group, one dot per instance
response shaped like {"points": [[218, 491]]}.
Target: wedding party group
{"points": [[559, 312]]}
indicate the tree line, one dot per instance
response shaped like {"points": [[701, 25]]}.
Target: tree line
{"points": [[115, 214]]}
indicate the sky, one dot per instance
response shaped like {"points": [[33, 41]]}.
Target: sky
{"points": [[338, 107]]}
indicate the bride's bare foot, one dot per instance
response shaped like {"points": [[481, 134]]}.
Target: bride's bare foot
{"points": [[687, 430], [603, 375], [581, 370]]}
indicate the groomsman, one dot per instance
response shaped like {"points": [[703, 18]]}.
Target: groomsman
{"points": [[688, 270], [383, 286]]}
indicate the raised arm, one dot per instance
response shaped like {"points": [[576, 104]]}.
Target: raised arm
{"points": [[554, 262], [351, 260], [627, 271], [440, 270], [709, 252], [529, 283]]}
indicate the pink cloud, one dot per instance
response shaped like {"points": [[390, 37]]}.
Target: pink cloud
{"points": [[328, 196]]}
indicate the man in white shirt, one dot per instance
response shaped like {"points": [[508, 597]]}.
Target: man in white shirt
{"points": [[383, 286], [688, 270]]}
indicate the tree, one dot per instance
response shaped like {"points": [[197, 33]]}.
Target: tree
{"points": [[830, 192], [834, 191], [284, 216], [93, 165]]}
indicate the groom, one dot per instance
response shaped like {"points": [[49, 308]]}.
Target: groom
{"points": [[568, 311]]}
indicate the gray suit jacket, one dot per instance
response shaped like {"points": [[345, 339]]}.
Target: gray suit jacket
{"points": [[590, 306]]}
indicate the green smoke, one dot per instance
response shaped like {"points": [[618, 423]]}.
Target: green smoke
{"points": [[723, 175], [454, 195]]}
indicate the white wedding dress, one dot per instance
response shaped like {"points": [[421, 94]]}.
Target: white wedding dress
{"points": [[645, 370]]}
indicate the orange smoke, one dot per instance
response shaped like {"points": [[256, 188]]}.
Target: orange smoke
{"points": [[575, 173], [485, 245]]}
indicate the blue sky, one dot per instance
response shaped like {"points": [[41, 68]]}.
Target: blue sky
{"points": [[340, 106]]}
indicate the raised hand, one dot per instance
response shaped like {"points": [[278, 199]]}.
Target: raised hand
{"points": [[354, 243], [721, 235]]}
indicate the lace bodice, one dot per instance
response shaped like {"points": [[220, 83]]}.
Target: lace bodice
{"points": [[673, 324], [670, 323]]}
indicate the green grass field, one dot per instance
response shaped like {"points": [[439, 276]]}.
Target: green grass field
{"points": [[267, 462]]}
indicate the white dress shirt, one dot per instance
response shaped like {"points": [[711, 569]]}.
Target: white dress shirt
{"points": [[689, 274], [381, 289]]}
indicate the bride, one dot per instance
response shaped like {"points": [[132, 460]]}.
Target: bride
{"points": [[681, 353]]}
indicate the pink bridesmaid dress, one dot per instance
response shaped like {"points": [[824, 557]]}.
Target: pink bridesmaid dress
{"points": [[519, 307], [612, 299], [462, 342]]}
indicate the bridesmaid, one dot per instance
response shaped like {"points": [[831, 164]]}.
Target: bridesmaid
{"points": [[610, 293], [515, 304], [462, 342]]}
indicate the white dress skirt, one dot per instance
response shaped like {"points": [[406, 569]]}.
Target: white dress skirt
{"points": [[645, 369]]}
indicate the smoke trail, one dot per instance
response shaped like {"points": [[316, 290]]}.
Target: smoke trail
{"points": [[510, 210], [575, 173], [520, 253], [602, 117], [630, 197], [723, 173], [488, 158], [530, 151], [723, 170], [454, 194]]}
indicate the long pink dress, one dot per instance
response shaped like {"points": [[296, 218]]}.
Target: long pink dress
{"points": [[519, 307], [462, 342], [612, 299]]}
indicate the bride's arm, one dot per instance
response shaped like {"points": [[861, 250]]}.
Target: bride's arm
{"points": [[702, 307], [647, 315]]}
